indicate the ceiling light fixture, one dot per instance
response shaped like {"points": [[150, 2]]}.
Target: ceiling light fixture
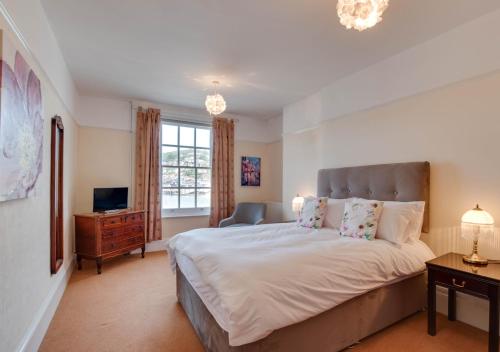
{"points": [[215, 103], [361, 14]]}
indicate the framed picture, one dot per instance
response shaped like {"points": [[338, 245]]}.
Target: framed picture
{"points": [[250, 171], [21, 123]]}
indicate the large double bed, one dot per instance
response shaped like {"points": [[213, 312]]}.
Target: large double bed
{"points": [[281, 287]]}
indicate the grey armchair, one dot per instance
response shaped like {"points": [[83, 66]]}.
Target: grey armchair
{"points": [[245, 214]]}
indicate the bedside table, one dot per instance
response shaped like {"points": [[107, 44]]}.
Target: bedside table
{"points": [[453, 273]]}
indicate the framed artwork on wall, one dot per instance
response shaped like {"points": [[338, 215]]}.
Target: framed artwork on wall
{"points": [[21, 123], [56, 194], [250, 171]]}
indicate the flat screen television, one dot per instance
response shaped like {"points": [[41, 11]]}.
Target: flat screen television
{"points": [[106, 199]]}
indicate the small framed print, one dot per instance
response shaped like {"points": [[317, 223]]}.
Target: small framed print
{"points": [[250, 171]]}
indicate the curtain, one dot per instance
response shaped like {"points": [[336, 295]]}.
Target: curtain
{"points": [[222, 197], [147, 171]]}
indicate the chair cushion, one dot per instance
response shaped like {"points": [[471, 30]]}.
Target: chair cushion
{"points": [[239, 225]]}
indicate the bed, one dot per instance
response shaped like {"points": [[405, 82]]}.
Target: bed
{"points": [[236, 303]]}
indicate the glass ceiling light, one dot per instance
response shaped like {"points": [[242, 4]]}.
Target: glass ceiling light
{"points": [[361, 14], [215, 103]]}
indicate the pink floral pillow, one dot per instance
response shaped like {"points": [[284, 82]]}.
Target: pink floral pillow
{"points": [[361, 218], [313, 212]]}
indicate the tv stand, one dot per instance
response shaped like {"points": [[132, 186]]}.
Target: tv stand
{"points": [[114, 211], [102, 236]]}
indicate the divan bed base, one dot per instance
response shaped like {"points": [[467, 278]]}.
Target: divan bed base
{"points": [[330, 331]]}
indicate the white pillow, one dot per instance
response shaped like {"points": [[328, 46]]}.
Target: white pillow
{"points": [[393, 224], [334, 213], [401, 221]]}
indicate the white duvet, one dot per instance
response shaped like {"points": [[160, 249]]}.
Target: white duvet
{"points": [[270, 276]]}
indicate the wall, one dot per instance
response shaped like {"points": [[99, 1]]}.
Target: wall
{"points": [[104, 160], [105, 113], [270, 188], [456, 128], [105, 155], [28, 17], [461, 53], [29, 294]]}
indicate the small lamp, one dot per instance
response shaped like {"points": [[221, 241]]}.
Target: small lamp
{"points": [[297, 204], [476, 222]]}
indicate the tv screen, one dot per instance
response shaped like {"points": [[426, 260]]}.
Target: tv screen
{"points": [[110, 199]]}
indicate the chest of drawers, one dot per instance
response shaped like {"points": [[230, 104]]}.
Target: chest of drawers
{"points": [[104, 236]]}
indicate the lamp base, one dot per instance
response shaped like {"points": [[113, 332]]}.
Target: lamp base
{"points": [[474, 258]]}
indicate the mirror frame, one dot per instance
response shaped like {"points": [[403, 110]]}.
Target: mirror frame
{"points": [[56, 194]]}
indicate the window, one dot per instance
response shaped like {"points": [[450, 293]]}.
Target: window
{"points": [[186, 169]]}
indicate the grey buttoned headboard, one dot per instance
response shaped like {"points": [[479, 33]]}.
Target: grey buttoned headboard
{"points": [[404, 182]]}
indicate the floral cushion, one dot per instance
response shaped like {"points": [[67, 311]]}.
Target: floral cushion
{"points": [[313, 212], [361, 218]]}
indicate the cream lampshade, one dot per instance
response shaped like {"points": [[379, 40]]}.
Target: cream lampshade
{"points": [[476, 222], [297, 204]]}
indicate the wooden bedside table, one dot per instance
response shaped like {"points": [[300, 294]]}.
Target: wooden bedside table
{"points": [[452, 272]]}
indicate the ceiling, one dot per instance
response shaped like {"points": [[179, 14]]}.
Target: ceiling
{"points": [[266, 53]]}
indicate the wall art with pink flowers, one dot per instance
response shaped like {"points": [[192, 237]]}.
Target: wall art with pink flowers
{"points": [[21, 123]]}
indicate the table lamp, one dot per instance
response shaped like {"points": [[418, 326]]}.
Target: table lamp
{"points": [[297, 204], [475, 223]]}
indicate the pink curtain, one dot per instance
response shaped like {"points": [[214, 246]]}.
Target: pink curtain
{"points": [[222, 198], [147, 171]]}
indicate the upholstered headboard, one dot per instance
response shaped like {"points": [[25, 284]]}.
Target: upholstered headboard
{"points": [[404, 182]]}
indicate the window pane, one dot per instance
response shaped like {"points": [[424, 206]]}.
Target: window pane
{"points": [[203, 179], [170, 177], [187, 177], [184, 185], [203, 157], [169, 156], [187, 136], [204, 198], [187, 156], [169, 134], [187, 198], [203, 137], [170, 199]]}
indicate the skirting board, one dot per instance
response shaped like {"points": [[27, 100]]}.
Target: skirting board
{"points": [[36, 332], [470, 310]]}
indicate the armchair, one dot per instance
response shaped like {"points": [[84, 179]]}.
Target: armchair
{"points": [[245, 214]]}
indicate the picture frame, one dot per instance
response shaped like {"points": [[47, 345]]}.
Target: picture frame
{"points": [[21, 122], [250, 171]]}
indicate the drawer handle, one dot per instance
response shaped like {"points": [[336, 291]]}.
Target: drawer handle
{"points": [[462, 285]]}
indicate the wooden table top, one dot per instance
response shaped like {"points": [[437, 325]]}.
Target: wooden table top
{"points": [[115, 213], [454, 261]]}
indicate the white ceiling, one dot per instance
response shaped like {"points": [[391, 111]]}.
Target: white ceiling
{"points": [[266, 53]]}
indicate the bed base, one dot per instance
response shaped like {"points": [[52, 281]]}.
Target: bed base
{"points": [[333, 330]]}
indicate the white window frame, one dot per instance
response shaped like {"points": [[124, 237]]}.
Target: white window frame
{"points": [[184, 212]]}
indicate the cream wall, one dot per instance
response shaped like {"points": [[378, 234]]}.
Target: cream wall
{"points": [[456, 128], [105, 160], [173, 226], [461, 53], [271, 167], [28, 292]]}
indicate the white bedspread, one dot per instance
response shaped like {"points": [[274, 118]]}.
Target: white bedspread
{"points": [[271, 276]]}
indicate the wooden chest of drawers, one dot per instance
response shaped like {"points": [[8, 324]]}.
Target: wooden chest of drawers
{"points": [[104, 236]]}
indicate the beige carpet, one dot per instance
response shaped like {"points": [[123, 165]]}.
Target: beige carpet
{"points": [[132, 307]]}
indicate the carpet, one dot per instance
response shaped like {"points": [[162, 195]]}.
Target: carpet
{"points": [[133, 306]]}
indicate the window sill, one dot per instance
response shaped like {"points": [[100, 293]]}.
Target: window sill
{"points": [[184, 213]]}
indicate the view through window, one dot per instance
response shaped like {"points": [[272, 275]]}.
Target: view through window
{"points": [[186, 169]]}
